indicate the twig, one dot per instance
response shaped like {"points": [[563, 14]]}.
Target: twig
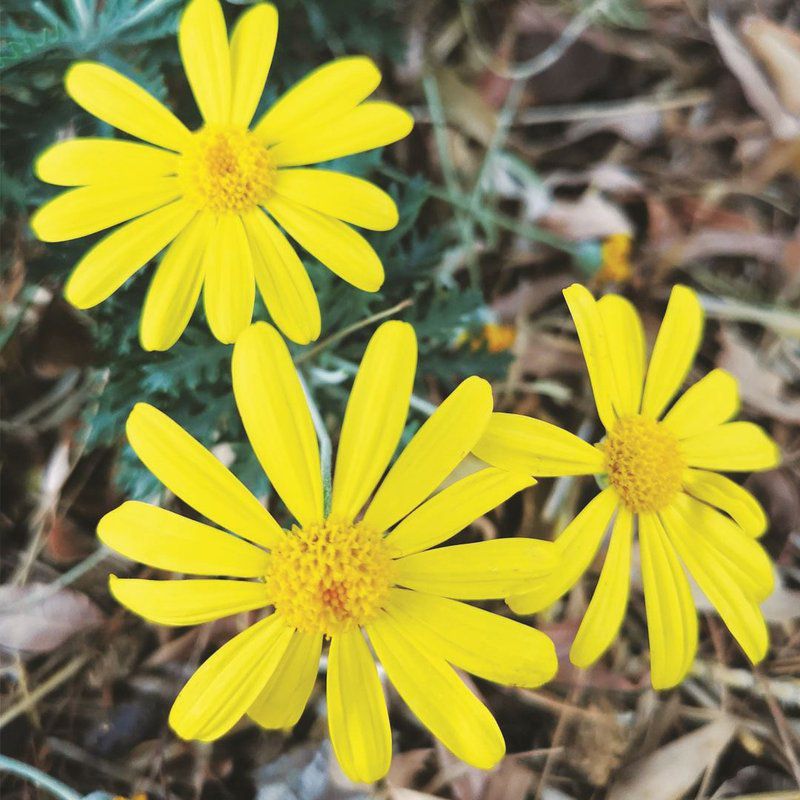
{"points": [[787, 693], [38, 778], [522, 229], [538, 64], [434, 100], [787, 322], [339, 335], [783, 730], [561, 726], [547, 115], [62, 581], [499, 136], [53, 682]]}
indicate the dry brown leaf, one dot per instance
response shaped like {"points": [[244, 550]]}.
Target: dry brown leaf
{"points": [[411, 794], [712, 243], [641, 128], [510, 781], [669, 772], [406, 766], [590, 217], [760, 386], [41, 623], [755, 86], [778, 48], [465, 108]]}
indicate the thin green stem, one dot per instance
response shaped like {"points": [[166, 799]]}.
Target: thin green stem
{"points": [[523, 229], [38, 778], [466, 230], [504, 120], [339, 335]]}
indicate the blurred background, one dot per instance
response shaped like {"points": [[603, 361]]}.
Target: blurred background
{"points": [[627, 144]]}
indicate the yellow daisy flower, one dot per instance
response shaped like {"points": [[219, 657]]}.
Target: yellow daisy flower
{"points": [[339, 572], [661, 476], [213, 196]]}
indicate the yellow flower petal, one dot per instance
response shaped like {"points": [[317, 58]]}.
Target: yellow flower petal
{"points": [[577, 545], [714, 399], [370, 125], [671, 616], [350, 199], [438, 446], [732, 447], [437, 696], [375, 417], [478, 641], [187, 602], [594, 343], [123, 104], [722, 492], [743, 558], [739, 611], [163, 539], [626, 348], [336, 245], [123, 252], [189, 471], [479, 571], [524, 444], [605, 613], [89, 209], [453, 509], [219, 694], [282, 279], [252, 47], [357, 716], [175, 287], [203, 42], [277, 420], [229, 291], [674, 351], [77, 162], [324, 94], [283, 699]]}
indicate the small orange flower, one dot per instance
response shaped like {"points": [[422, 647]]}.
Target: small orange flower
{"points": [[616, 252]]}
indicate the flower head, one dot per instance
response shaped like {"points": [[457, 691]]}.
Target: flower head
{"points": [[659, 463], [496, 337], [365, 561], [221, 199], [616, 255]]}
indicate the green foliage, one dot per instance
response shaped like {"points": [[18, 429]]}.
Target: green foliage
{"points": [[191, 382]]}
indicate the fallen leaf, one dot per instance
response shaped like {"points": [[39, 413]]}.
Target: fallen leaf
{"points": [[755, 86], [39, 623], [778, 48], [411, 794], [760, 385], [669, 772], [641, 128], [465, 108], [590, 217], [510, 781]]}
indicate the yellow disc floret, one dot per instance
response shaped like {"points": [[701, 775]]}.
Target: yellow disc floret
{"points": [[330, 577], [227, 170], [643, 463]]}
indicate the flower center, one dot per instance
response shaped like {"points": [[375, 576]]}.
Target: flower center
{"points": [[226, 169], [329, 577], [643, 462]]}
